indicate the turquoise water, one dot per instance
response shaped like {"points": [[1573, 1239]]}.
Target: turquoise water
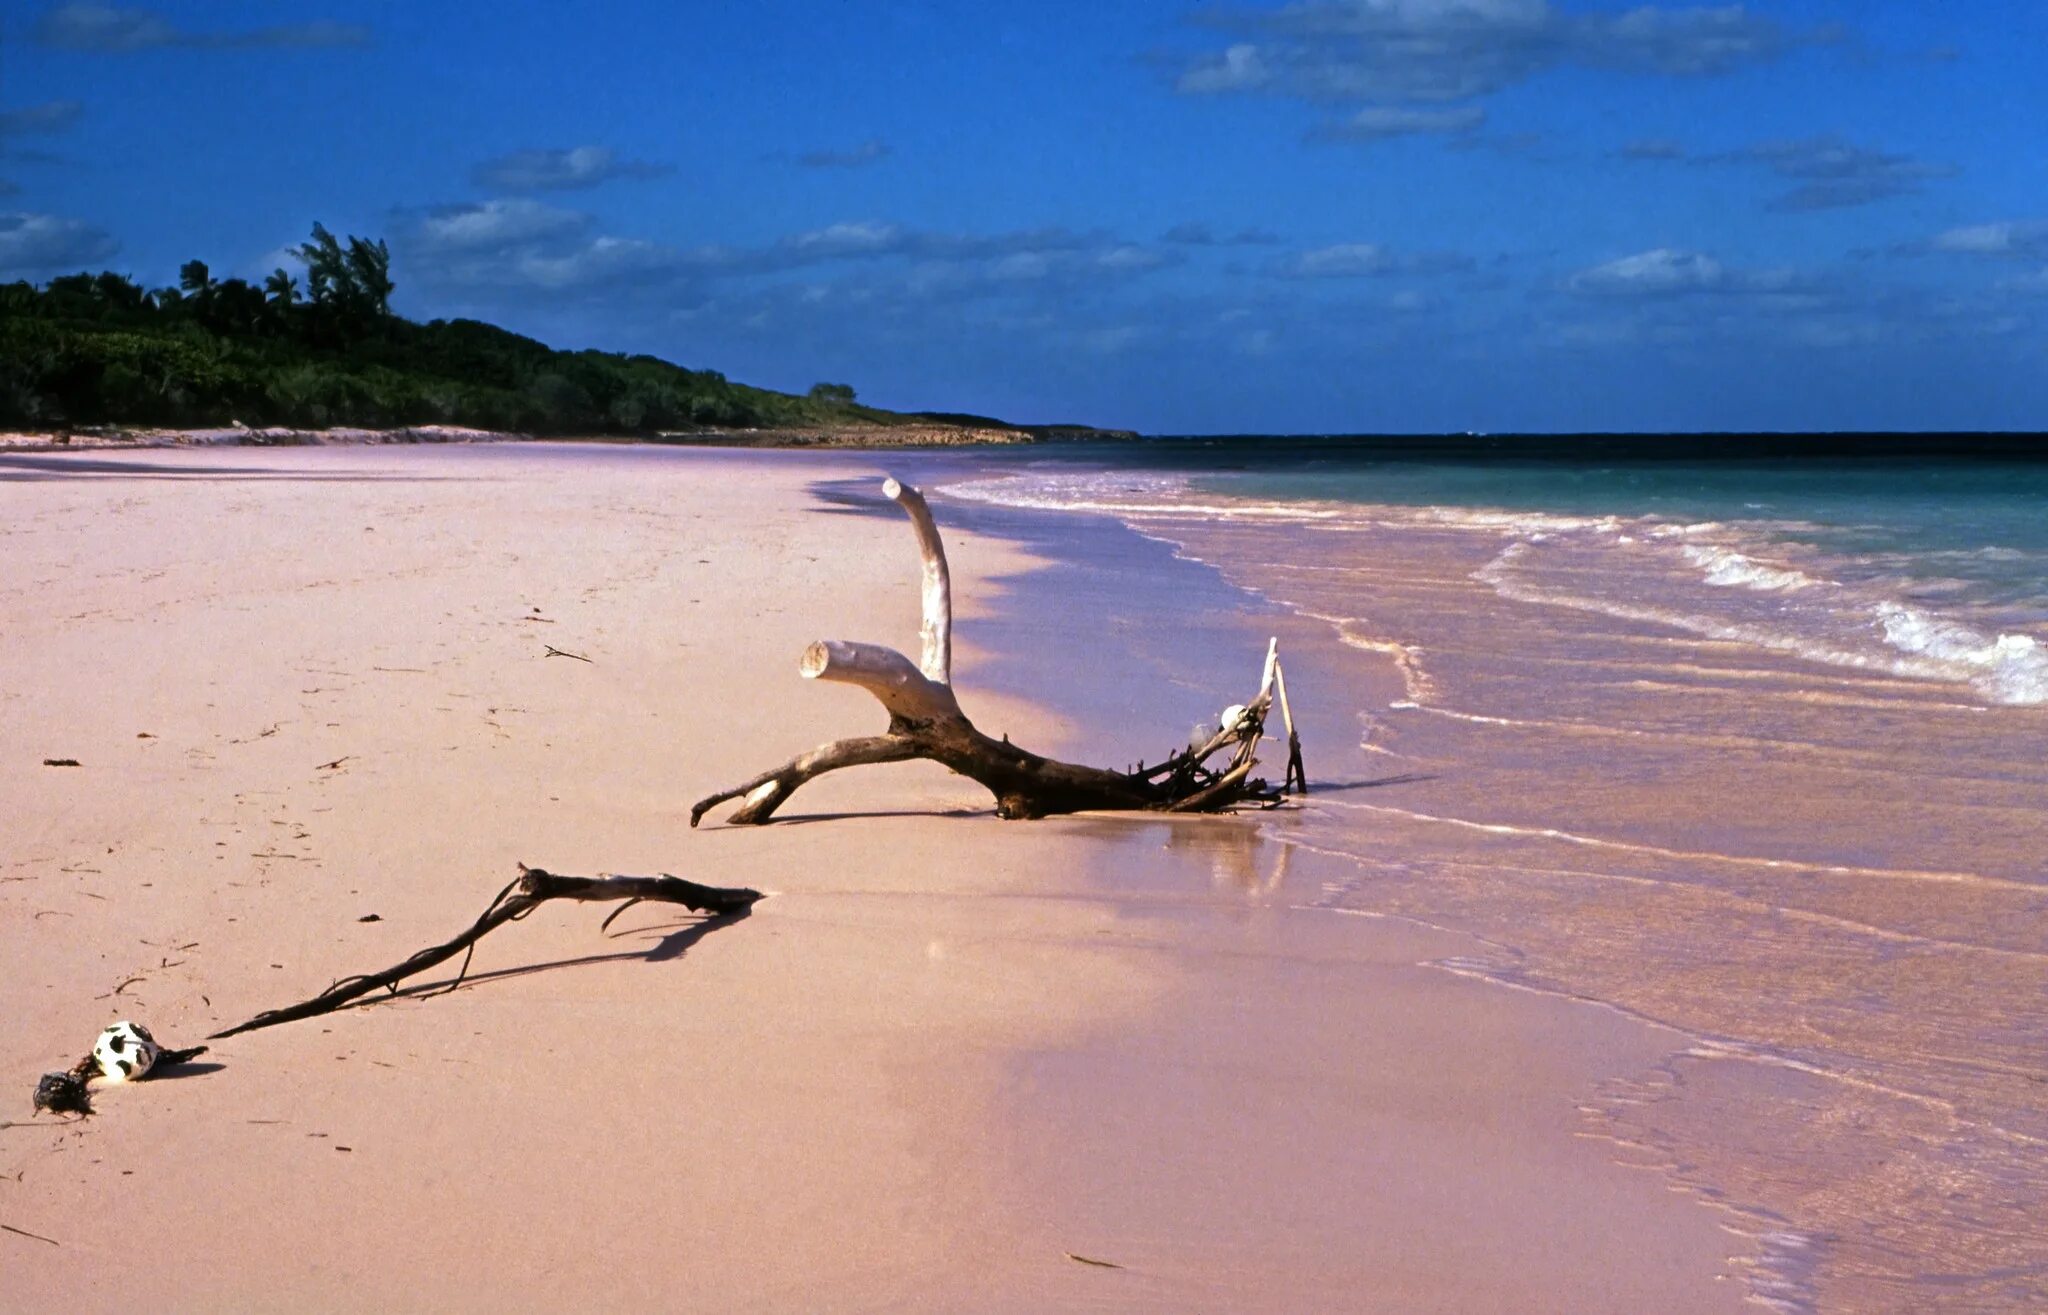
{"points": [[1928, 568], [1982, 526]]}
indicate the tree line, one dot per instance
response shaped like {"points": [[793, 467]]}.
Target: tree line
{"points": [[102, 349]]}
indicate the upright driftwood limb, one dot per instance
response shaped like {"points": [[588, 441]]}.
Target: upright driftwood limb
{"points": [[533, 888], [925, 721], [936, 629], [1297, 775]]}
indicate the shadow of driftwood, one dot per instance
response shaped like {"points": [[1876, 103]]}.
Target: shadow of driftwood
{"points": [[671, 946], [1338, 787], [799, 819]]}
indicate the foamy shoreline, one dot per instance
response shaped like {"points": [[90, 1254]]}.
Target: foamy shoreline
{"points": [[948, 1055]]}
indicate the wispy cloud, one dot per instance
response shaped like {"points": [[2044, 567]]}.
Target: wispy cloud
{"points": [[1834, 174], [872, 151], [1352, 260], [1379, 122], [50, 116], [1418, 51], [1195, 234], [34, 244], [516, 244], [1652, 148], [2009, 239], [107, 29], [544, 170], [1666, 272]]}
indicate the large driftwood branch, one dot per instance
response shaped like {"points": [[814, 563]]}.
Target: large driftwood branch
{"points": [[925, 721], [533, 888]]}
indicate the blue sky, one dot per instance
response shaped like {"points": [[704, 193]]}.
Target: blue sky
{"points": [[1355, 215]]}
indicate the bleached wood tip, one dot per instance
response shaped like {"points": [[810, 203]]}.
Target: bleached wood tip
{"points": [[814, 661]]}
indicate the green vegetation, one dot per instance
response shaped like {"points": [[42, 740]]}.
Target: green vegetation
{"points": [[99, 349]]}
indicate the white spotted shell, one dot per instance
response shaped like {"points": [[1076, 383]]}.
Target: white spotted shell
{"points": [[125, 1051], [1230, 716]]}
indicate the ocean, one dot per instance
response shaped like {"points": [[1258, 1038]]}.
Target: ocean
{"points": [[1744, 745]]}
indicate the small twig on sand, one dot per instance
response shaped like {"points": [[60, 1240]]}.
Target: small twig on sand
{"points": [[333, 766], [25, 1233], [552, 651], [58, 762]]}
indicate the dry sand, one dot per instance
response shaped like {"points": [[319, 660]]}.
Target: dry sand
{"points": [[946, 1056]]}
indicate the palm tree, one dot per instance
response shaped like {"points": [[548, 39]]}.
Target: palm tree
{"points": [[326, 266], [281, 289], [369, 274]]}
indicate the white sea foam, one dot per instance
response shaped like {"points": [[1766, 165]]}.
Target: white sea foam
{"points": [[1792, 611], [1731, 569], [2009, 668]]}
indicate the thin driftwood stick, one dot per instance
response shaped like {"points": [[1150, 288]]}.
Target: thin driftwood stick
{"points": [[925, 721], [533, 888]]}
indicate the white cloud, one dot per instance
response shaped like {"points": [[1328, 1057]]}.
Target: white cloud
{"points": [[35, 244], [1662, 272], [2010, 238], [1238, 68], [603, 262], [837, 241], [490, 226]]}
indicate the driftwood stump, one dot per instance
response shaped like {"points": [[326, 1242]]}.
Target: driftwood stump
{"points": [[925, 721]]}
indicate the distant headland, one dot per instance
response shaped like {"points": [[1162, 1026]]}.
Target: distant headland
{"points": [[98, 360]]}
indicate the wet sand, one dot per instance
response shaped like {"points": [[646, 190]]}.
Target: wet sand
{"points": [[948, 1056], [1827, 878]]}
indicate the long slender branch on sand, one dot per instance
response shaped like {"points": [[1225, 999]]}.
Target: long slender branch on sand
{"points": [[533, 888], [925, 721], [67, 1092]]}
